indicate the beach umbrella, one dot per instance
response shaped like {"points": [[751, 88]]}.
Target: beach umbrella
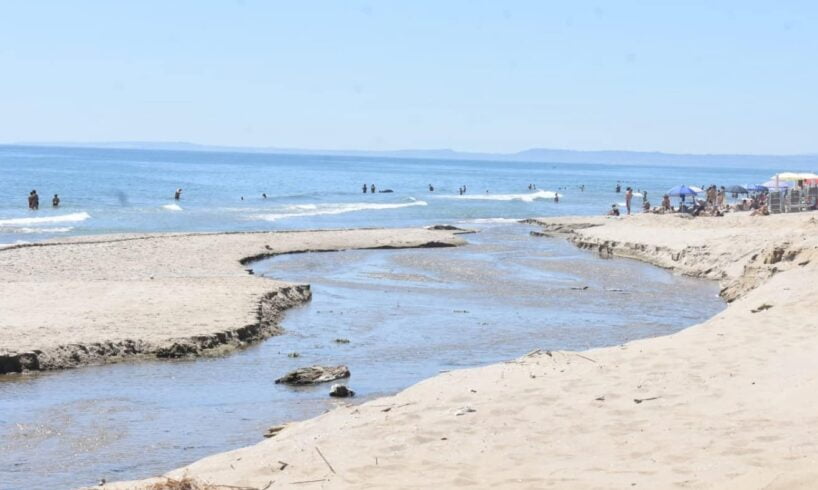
{"points": [[681, 191], [788, 176], [736, 189], [756, 188], [781, 184], [808, 176], [695, 189]]}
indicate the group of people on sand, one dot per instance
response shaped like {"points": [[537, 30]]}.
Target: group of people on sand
{"points": [[711, 203], [34, 200]]}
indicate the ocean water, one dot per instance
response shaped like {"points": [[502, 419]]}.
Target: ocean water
{"points": [[408, 313], [113, 191]]}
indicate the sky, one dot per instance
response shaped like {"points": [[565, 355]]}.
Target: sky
{"points": [[487, 76]]}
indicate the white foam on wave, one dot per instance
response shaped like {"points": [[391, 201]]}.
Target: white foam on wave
{"points": [[27, 229], [64, 218], [528, 197], [172, 207], [335, 208], [491, 221]]}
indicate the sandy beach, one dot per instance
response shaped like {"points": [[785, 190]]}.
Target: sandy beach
{"points": [[100, 299], [728, 403]]}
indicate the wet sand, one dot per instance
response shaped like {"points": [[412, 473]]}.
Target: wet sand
{"points": [[728, 403], [99, 299]]}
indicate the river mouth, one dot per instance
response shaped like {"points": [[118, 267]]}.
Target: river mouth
{"points": [[408, 314]]}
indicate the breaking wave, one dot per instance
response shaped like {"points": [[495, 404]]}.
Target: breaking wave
{"points": [[303, 210], [65, 218], [528, 197]]}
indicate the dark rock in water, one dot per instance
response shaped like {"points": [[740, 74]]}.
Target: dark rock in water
{"points": [[274, 430], [340, 391], [314, 374], [444, 228]]}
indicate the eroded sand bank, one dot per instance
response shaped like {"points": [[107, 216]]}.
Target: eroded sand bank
{"points": [[729, 403], [96, 299]]}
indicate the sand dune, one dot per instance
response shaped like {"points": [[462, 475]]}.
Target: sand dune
{"points": [[729, 403]]}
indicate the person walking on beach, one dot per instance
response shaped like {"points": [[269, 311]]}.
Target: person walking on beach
{"points": [[178, 194], [55, 201], [628, 199], [364, 188]]}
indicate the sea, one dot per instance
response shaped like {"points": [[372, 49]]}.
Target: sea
{"points": [[395, 317], [123, 191]]}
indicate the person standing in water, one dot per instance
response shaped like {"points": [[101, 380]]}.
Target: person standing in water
{"points": [[618, 188], [556, 198], [431, 188], [628, 199], [364, 188], [33, 200], [372, 189], [55, 201], [178, 194]]}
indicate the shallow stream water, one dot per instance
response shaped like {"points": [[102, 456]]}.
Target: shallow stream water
{"points": [[408, 314]]}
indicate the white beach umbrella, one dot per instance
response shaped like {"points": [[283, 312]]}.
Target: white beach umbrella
{"points": [[697, 190], [778, 184], [792, 176]]}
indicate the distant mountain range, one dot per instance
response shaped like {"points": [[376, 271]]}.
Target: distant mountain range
{"points": [[805, 162]]}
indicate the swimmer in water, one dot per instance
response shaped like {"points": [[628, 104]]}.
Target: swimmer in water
{"points": [[55, 201], [178, 194]]}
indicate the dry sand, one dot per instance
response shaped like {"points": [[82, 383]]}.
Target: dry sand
{"points": [[98, 299], [729, 403]]}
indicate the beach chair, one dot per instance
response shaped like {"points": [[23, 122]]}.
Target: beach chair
{"points": [[774, 202], [794, 204], [812, 196]]}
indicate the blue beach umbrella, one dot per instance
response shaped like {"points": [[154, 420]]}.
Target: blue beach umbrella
{"points": [[756, 188], [681, 191]]}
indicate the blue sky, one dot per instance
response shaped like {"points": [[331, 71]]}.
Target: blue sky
{"points": [[690, 77]]}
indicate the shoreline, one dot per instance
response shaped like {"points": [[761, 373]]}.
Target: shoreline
{"points": [[722, 404], [98, 299]]}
